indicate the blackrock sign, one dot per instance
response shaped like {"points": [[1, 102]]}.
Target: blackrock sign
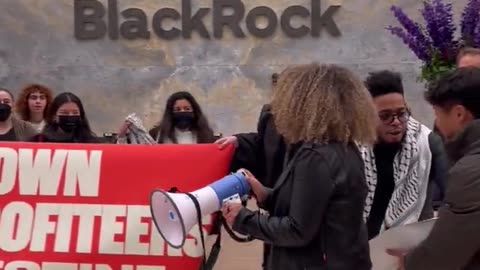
{"points": [[94, 20]]}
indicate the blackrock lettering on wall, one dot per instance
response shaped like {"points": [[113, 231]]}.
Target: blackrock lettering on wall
{"points": [[94, 20]]}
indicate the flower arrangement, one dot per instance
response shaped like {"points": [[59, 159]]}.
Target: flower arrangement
{"points": [[435, 43]]}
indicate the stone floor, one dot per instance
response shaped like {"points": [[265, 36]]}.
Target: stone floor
{"points": [[239, 256]]}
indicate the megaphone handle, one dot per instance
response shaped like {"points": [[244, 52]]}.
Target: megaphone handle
{"points": [[233, 235], [200, 227]]}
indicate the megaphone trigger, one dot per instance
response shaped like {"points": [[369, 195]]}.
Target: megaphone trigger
{"points": [[232, 199]]}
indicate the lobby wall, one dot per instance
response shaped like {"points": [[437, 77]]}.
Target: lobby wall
{"points": [[230, 77]]}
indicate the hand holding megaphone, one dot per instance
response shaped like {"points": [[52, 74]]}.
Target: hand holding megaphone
{"points": [[231, 210], [259, 190], [174, 214]]}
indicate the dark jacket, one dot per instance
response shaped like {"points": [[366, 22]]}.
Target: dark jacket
{"points": [[439, 169], [454, 243], [316, 220], [50, 135], [262, 152]]}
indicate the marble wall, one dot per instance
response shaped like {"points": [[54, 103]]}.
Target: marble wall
{"points": [[229, 77]]}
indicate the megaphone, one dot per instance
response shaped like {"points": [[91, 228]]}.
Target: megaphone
{"points": [[174, 214]]}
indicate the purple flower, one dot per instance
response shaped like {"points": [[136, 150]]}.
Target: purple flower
{"points": [[428, 13], [444, 15], [434, 42], [470, 19], [418, 49], [476, 36], [412, 28], [440, 26]]}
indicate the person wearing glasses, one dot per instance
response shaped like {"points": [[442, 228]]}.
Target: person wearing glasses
{"points": [[407, 166]]}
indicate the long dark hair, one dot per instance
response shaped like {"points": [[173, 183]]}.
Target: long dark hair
{"points": [[200, 124], [83, 133]]}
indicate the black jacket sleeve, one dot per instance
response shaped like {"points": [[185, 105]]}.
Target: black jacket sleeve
{"points": [[439, 168], [249, 153], [312, 186]]}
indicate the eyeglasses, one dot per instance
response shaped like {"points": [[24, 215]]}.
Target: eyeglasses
{"points": [[388, 117]]}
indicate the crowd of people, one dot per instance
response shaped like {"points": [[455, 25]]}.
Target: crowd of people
{"points": [[37, 116], [335, 161], [304, 169]]}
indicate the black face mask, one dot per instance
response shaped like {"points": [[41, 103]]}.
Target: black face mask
{"points": [[5, 111], [183, 120], [69, 123]]}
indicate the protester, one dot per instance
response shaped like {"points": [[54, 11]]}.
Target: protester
{"points": [[468, 57], [183, 122], [454, 241], [317, 203], [32, 104], [262, 153], [11, 128], [406, 168], [66, 122]]}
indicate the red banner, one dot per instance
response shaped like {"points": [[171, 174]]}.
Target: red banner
{"points": [[86, 207]]}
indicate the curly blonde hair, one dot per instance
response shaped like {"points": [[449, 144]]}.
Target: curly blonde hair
{"points": [[21, 106], [323, 103]]}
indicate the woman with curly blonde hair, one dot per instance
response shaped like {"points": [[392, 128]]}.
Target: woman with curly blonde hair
{"points": [[32, 104], [316, 207]]}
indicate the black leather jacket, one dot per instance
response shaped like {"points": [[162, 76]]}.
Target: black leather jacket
{"points": [[316, 212]]}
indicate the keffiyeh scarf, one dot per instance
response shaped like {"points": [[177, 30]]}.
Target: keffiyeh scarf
{"points": [[411, 171], [136, 132]]}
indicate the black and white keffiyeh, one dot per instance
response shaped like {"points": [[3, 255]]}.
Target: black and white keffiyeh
{"points": [[411, 170], [136, 132]]}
